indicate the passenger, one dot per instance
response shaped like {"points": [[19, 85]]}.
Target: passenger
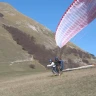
{"points": [[52, 64]]}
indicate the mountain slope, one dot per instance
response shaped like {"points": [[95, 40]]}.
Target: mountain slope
{"points": [[22, 38], [74, 83]]}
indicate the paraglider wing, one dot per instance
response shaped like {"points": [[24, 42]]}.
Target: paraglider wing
{"points": [[79, 15]]}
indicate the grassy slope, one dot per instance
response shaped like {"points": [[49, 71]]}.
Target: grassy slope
{"points": [[8, 45], [10, 51], [73, 83], [23, 23]]}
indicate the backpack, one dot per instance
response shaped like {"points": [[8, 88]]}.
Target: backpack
{"points": [[61, 65]]}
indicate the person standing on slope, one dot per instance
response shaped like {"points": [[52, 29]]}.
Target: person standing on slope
{"points": [[52, 64], [58, 65]]}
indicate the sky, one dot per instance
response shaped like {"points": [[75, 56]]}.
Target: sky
{"points": [[49, 13]]}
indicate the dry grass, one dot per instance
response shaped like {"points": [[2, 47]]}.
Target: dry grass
{"points": [[73, 83]]}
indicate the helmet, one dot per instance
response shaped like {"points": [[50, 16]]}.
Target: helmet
{"points": [[50, 60], [56, 58]]}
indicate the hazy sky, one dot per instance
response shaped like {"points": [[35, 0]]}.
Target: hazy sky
{"points": [[49, 13]]}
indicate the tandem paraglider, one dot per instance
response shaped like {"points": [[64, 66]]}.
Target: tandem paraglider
{"points": [[57, 66], [79, 14]]}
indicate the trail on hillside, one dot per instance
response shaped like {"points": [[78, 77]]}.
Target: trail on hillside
{"points": [[73, 83], [20, 61]]}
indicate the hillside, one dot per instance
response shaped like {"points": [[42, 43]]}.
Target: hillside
{"points": [[24, 42], [73, 83]]}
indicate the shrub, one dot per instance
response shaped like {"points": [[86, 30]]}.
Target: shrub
{"points": [[1, 15], [32, 66]]}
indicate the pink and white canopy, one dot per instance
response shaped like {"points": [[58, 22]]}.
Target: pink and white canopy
{"points": [[79, 15]]}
